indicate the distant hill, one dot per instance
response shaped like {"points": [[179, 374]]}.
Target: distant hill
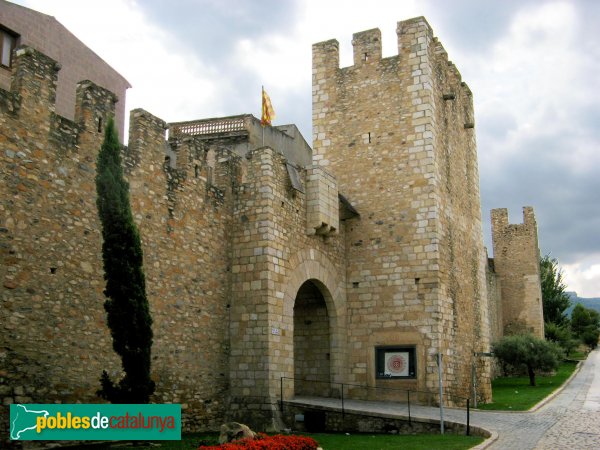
{"points": [[592, 303]]}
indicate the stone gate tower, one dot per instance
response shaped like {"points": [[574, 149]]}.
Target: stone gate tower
{"points": [[398, 135]]}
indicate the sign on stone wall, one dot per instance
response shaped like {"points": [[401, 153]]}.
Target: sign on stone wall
{"points": [[395, 362]]}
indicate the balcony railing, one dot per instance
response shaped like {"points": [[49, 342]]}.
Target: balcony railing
{"points": [[209, 126]]}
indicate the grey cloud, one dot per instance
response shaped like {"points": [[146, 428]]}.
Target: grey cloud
{"points": [[566, 207], [473, 25], [497, 124], [586, 119], [212, 27]]}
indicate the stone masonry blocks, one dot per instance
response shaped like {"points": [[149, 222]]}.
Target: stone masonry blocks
{"points": [[321, 202]]}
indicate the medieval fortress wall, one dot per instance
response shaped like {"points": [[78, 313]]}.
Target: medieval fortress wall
{"points": [[259, 263], [55, 341], [226, 250]]}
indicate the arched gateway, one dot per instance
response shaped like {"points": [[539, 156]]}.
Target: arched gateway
{"points": [[312, 341], [314, 307]]}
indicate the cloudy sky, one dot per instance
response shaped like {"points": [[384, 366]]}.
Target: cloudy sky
{"points": [[533, 66]]}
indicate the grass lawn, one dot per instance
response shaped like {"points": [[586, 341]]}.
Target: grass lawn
{"points": [[515, 394], [390, 442], [331, 442], [579, 356]]}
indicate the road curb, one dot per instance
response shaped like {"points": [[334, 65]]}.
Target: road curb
{"points": [[489, 441], [557, 391]]}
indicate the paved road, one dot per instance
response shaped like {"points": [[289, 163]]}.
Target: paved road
{"points": [[571, 420], [576, 411]]}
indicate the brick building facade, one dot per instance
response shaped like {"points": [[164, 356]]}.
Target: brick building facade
{"points": [[78, 62]]}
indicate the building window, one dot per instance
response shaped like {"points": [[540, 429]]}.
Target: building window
{"points": [[396, 362], [8, 41]]}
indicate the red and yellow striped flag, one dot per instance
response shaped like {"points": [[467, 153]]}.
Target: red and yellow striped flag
{"points": [[268, 114]]}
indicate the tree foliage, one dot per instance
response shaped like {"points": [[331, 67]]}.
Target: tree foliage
{"points": [[126, 305], [561, 335], [590, 338], [554, 298], [585, 323], [527, 352]]}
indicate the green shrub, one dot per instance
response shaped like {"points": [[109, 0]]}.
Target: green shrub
{"points": [[528, 353]]}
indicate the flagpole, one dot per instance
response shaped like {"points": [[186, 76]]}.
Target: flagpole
{"points": [[262, 100]]}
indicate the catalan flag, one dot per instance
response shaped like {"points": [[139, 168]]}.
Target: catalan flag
{"points": [[268, 114]]}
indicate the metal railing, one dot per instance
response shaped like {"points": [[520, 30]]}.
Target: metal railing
{"points": [[419, 397]]}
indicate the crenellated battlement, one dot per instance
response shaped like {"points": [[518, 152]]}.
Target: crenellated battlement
{"points": [[147, 139], [500, 221], [94, 105], [453, 88], [421, 69], [367, 47], [183, 166], [34, 78], [32, 99]]}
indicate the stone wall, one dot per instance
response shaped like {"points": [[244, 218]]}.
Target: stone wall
{"points": [[517, 264], [259, 278], [225, 255], [54, 342], [462, 255], [53, 339], [334, 421], [494, 301], [183, 221], [397, 134]]}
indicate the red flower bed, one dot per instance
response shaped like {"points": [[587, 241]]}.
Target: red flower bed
{"points": [[264, 442]]}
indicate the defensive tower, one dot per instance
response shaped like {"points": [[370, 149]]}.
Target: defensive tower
{"points": [[517, 264], [397, 133]]}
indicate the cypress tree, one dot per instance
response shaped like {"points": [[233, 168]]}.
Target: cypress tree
{"points": [[126, 305], [555, 300]]}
